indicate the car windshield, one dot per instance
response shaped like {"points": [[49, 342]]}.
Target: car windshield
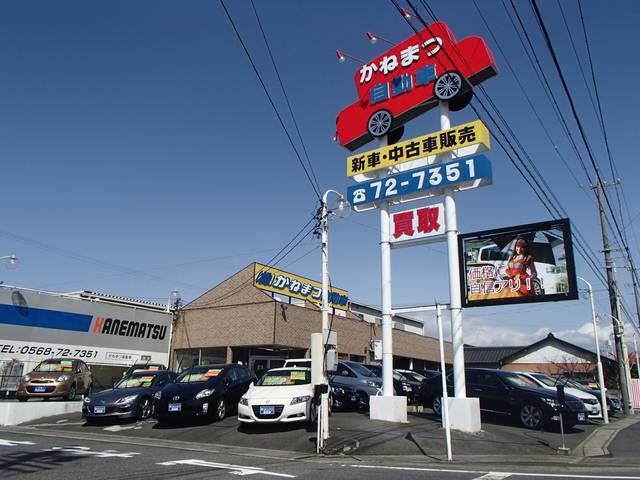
{"points": [[55, 366], [414, 376], [548, 381], [145, 368], [276, 378], [143, 380], [199, 374], [361, 370], [518, 380]]}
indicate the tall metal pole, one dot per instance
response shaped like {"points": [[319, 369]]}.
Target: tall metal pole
{"points": [[603, 396], [324, 400], [618, 327], [445, 396], [451, 222], [385, 270]]}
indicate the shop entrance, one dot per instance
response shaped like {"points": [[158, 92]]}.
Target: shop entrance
{"points": [[259, 364]]}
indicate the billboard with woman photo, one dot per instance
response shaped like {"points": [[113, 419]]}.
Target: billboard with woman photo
{"points": [[525, 263]]}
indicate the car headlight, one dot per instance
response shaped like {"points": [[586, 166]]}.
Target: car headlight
{"points": [[127, 399], [205, 393], [296, 400], [371, 383], [26, 378], [552, 402], [87, 399], [406, 387], [244, 401], [157, 395], [63, 378]]}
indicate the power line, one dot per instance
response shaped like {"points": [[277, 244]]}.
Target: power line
{"points": [[286, 97], [539, 191], [275, 109]]}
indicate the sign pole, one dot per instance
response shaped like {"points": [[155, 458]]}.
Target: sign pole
{"points": [[323, 417], [385, 260], [445, 396], [451, 223]]}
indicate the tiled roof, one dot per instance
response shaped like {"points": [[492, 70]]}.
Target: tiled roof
{"points": [[488, 354]]}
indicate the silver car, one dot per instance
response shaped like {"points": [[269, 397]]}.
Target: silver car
{"points": [[357, 377]]}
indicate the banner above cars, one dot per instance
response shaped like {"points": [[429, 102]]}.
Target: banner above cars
{"points": [[423, 182], [277, 281], [409, 79], [473, 133], [417, 226], [526, 263]]}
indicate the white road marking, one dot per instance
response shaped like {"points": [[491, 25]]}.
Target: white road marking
{"points": [[86, 451], [119, 428], [493, 476], [13, 443], [235, 469], [64, 420], [514, 474], [56, 424]]}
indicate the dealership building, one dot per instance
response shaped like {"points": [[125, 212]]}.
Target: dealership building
{"points": [[240, 320], [108, 333]]}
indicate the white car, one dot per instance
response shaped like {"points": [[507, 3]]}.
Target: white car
{"points": [[590, 401], [281, 395]]}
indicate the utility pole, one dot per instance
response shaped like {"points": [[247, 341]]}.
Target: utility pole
{"points": [[618, 325]]}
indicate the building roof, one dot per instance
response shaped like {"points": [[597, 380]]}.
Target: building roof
{"points": [[488, 354]]}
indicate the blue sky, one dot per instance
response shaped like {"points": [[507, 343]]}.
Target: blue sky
{"points": [[140, 153]]}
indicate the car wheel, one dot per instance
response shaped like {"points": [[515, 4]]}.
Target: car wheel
{"points": [[144, 409], [379, 123], [436, 405], [448, 85], [313, 412], [531, 416], [71, 394], [221, 409], [363, 400]]}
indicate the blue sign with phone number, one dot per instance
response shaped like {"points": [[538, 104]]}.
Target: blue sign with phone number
{"points": [[459, 173]]}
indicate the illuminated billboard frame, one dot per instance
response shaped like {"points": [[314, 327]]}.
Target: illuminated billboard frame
{"points": [[517, 264]]}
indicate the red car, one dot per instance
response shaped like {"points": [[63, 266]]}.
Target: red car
{"points": [[410, 79]]}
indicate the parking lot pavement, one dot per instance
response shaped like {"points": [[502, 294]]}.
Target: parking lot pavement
{"points": [[351, 433]]}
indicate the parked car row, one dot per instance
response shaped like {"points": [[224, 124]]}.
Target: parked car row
{"points": [[513, 394], [287, 395]]}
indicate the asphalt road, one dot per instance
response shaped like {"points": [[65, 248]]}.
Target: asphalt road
{"points": [[46, 455], [351, 431]]}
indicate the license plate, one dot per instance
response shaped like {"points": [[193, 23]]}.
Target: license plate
{"points": [[39, 389], [99, 409], [354, 398], [175, 407], [267, 409], [581, 417]]}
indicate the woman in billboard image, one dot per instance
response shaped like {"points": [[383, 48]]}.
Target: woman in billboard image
{"points": [[520, 267]]}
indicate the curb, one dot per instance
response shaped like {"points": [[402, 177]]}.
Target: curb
{"points": [[595, 445]]}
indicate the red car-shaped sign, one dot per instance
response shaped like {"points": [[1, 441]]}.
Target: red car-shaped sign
{"points": [[410, 79]]}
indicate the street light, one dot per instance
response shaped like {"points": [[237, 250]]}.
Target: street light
{"points": [[373, 38], [603, 397], [10, 261], [341, 210], [342, 57]]}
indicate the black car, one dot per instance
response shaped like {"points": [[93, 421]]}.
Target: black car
{"points": [[143, 367], [131, 397], [345, 397], [509, 393], [203, 391], [425, 372], [405, 382]]}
